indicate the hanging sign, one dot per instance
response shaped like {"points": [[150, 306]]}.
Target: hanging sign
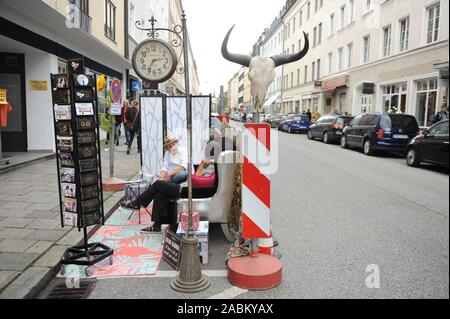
{"points": [[116, 89], [116, 109], [136, 86], [3, 96]]}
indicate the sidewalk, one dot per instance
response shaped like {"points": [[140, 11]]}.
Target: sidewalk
{"points": [[32, 241]]}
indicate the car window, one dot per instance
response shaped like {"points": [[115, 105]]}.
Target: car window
{"points": [[356, 121], [439, 130], [404, 121], [369, 119], [345, 120]]}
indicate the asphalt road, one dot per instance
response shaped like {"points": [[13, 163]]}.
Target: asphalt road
{"points": [[335, 212]]}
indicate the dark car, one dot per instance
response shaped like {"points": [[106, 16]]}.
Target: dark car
{"points": [[380, 132], [329, 128], [275, 120], [281, 122], [432, 147], [296, 124]]}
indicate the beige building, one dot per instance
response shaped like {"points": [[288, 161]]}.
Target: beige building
{"points": [[378, 55], [233, 92]]}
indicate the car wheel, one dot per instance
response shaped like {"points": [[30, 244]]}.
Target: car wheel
{"points": [[368, 147], [326, 138], [412, 158], [344, 142], [310, 136]]}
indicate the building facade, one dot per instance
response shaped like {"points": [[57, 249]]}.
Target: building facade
{"points": [[366, 55]]}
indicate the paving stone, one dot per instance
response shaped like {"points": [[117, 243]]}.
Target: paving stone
{"points": [[16, 261], [44, 224], [52, 257], [15, 246], [15, 222], [14, 213], [72, 238], [42, 214], [6, 277], [40, 247], [15, 233], [47, 207], [14, 205], [47, 234], [28, 284]]}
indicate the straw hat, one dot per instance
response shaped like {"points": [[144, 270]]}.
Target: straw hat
{"points": [[168, 140]]}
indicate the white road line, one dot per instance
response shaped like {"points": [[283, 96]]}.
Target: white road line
{"points": [[230, 293]]}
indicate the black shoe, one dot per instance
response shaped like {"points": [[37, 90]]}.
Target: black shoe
{"points": [[130, 205], [151, 230]]}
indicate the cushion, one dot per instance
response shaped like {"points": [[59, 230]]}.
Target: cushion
{"points": [[204, 181]]}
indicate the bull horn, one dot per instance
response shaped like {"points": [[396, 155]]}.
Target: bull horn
{"points": [[232, 57], [289, 58]]}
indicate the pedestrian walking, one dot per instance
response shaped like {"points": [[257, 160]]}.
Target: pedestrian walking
{"points": [[309, 114], [442, 115], [244, 117], [126, 105], [132, 123]]}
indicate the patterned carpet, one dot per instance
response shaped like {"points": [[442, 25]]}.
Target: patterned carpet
{"points": [[134, 254]]}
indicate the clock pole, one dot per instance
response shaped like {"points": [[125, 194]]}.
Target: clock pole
{"points": [[190, 278]]}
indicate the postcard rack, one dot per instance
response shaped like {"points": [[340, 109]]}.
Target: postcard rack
{"points": [[75, 110]]}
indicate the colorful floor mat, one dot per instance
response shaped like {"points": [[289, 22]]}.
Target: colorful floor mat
{"points": [[134, 254]]}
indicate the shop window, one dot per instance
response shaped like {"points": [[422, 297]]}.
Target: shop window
{"points": [[426, 101], [395, 97]]}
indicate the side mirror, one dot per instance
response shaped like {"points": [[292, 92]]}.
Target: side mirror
{"points": [[425, 133]]}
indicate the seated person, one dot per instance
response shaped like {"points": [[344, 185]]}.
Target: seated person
{"points": [[165, 190], [175, 162]]}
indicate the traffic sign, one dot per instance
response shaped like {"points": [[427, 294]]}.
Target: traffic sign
{"points": [[116, 109], [116, 89], [136, 86]]}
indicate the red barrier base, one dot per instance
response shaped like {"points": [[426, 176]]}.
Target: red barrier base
{"points": [[112, 184], [255, 273]]}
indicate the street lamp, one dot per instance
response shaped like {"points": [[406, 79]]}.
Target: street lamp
{"points": [[190, 278]]}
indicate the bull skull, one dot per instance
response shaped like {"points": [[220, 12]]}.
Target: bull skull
{"points": [[262, 69]]}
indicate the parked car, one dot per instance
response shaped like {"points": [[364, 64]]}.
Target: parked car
{"points": [[282, 120], [275, 120], [380, 132], [329, 128], [296, 124], [267, 118], [431, 147]]}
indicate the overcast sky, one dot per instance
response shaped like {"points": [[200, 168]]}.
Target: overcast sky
{"points": [[209, 21]]}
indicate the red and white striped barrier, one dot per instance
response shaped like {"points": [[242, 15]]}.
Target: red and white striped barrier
{"points": [[255, 183]]}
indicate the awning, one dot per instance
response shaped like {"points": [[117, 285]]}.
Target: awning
{"points": [[272, 99]]}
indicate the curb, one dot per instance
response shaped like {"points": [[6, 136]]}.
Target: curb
{"points": [[13, 167]]}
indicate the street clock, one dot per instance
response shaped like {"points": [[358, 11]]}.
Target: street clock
{"points": [[154, 60]]}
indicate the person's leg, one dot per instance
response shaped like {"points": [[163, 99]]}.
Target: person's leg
{"points": [[180, 178], [130, 144]]}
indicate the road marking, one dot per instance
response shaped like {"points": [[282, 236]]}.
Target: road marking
{"points": [[230, 293]]}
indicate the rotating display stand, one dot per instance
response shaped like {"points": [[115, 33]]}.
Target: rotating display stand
{"points": [[78, 160]]}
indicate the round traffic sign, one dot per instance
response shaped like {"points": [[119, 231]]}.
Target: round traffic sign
{"points": [[116, 89]]}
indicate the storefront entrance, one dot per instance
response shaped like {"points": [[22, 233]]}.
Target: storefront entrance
{"points": [[12, 78]]}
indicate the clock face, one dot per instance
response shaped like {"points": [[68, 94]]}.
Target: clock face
{"points": [[84, 80], [154, 60]]}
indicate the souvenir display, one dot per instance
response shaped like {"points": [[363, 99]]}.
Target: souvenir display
{"points": [[67, 175], [65, 144], [63, 128], [69, 190], [66, 159], [90, 205], [83, 80], [61, 97], [84, 109], [89, 192], [78, 162], [70, 205], [88, 165], [86, 137], [85, 123], [60, 81], [88, 179], [87, 152], [84, 95], [63, 112]]}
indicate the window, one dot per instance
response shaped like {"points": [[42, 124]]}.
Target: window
{"points": [[308, 12], [306, 74], [315, 36], [316, 7], [110, 20], [298, 77], [349, 55], [342, 16], [366, 49], [395, 98], [367, 6], [340, 59], [318, 69], [332, 24], [387, 31], [301, 18], [433, 13], [404, 34], [352, 11], [294, 25], [440, 130], [319, 35], [330, 62], [426, 101], [313, 70], [292, 79], [366, 103]]}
